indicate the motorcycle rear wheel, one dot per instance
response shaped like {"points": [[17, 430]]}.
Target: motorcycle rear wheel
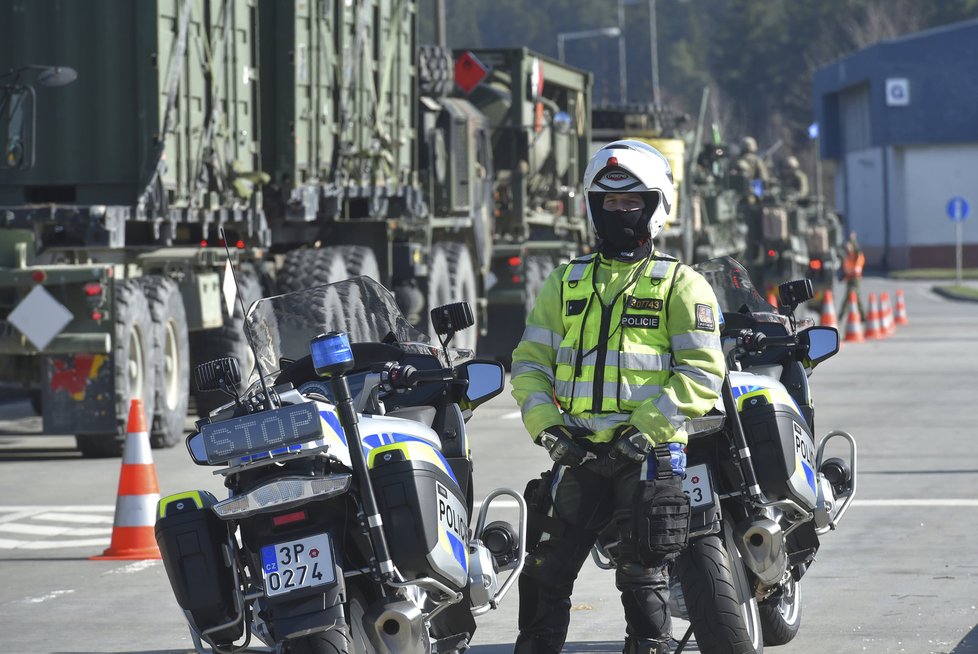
{"points": [[718, 596], [781, 618]]}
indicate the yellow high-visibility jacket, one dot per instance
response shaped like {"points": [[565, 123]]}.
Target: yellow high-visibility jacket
{"points": [[609, 342]]}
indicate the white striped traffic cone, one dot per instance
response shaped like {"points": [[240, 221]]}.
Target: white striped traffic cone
{"points": [[139, 492]]}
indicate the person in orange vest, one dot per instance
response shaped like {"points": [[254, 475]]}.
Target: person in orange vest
{"points": [[852, 270]]}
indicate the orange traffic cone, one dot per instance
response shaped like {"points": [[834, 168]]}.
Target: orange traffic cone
{"points": [[828, 310], [886, 314], [854, 324], [901, 309], [873, 327], [139, 493]]}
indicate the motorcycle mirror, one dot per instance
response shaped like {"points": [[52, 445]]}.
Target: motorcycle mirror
{"points": [[485, 380], [821, 342], [195, 445]]}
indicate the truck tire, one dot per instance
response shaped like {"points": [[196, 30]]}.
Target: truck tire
{"points": [[360, 260], [439, 286], [435, 74], [227, 341], [133, 354], [718, 598], [463, 289], [171, 376], [308, 267], [538, 268]]}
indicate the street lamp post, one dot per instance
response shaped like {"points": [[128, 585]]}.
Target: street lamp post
{"points": [[562, 37]]}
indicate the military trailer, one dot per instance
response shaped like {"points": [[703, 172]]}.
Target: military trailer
{"points": [[318, 138], [110, 266], [538, 111]]}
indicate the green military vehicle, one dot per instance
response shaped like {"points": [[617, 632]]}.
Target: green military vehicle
{"points": [[317, 136], [703, 223]]}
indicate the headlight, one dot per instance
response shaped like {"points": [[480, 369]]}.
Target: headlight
{"points": [[282, 493]]}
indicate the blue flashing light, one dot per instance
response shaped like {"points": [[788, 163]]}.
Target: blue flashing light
{"points": [[331, 353]]}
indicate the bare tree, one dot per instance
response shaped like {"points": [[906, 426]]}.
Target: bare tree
{"points": [[884, 19]]}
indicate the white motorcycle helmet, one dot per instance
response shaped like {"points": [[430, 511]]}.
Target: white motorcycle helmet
{"points": [[629, 166]]}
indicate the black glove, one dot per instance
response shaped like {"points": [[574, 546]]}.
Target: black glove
{"points": [[558, 440], [630, 443]]}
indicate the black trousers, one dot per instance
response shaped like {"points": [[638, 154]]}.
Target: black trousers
{"points": [[597, 498]]}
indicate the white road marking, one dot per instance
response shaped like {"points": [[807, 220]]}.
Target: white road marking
{"points": [[48, 530], [909, 503], [133, 567], [43, 598], [892, 503], [74, 517], [512, 415], [6, 544]]}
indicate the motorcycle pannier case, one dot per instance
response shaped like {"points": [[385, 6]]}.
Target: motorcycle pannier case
{"points": [[782, 450], [192, 541], [424, 512]]}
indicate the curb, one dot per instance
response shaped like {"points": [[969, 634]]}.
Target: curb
{"points": [[951, 295]]}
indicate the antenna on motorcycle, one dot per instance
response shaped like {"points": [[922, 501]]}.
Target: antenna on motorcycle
{"points": [[448, 319], [244, 323]]}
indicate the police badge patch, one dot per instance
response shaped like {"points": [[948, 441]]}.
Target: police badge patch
{"points": [[704, 318]]}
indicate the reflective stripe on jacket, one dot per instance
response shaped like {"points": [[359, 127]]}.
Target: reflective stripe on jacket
{"points": [[650, 357]]}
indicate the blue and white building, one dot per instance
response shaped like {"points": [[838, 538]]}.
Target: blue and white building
{"points": [[900, 119]]}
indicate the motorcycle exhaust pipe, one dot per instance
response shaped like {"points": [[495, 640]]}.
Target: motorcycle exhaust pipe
{"points": [[761, 544], [394, 627]]}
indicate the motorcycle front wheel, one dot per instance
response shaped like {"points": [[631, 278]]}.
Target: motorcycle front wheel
{"points": [[781, 616], [718, 596]]}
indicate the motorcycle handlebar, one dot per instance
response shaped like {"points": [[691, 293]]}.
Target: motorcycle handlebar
{"points": [[756, 341], [407, 376]]}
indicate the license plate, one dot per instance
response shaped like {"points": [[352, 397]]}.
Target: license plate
{"points": [[696, 484], [296, 564]]}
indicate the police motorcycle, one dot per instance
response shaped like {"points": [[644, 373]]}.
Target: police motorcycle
{"points": [[761, 493], [346, 527]]}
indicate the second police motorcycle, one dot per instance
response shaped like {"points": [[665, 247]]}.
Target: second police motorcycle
{"points": [[762, 490], [346, 526]]}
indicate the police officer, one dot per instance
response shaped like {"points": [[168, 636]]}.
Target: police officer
{"points": [[620, 349]]}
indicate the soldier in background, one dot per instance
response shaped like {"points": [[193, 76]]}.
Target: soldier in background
{"points": [[793, 178], [750, 162]]}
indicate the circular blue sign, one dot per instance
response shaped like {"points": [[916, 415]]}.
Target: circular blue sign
{"points": [[957, 209]]}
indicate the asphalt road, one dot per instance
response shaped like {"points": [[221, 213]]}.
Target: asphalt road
{"points": [[899, 575]]}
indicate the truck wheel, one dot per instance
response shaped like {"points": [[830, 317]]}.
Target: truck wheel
{"points": [[439, 286], [360, 260], [227, 341], [463, 289], [171, 377], [538, 268], [310, 267], [133, 354]]}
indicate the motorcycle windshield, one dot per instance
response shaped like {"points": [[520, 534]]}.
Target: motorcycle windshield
{"points": [[731, 282], [283, 325]]}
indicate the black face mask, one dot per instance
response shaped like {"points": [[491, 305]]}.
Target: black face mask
{"points": [[623, 234]]}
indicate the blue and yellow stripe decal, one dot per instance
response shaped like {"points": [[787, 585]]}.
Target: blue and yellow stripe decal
{"points": [[773, 395], [414, 449]]}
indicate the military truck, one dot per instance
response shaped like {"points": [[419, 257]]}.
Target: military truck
{"points": [[704, 222], [538, 111], [317, 136]]}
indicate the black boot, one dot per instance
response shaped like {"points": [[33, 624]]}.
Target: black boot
{"points": [[534, 646], [646, 646]]}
